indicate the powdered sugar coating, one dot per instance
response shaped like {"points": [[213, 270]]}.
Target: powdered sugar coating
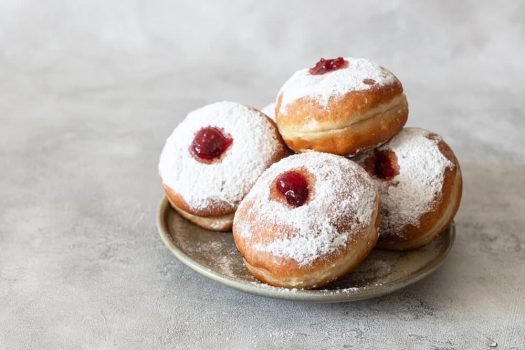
{"points": [[342, 203], [417, 188], [334, 84], [227, 181]]}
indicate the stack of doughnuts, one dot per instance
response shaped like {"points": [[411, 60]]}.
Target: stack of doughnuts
{"points": [[358, 180]]}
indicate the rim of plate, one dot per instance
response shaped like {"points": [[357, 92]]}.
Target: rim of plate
{"points": [[322, 295]]}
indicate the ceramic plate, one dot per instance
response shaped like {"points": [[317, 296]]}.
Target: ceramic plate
{"points": [[214, 255]]}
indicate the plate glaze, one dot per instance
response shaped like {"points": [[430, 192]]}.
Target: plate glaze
{"points": [[214, 255]]}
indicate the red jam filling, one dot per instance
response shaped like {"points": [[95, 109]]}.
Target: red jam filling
{"points": [[329, 65], [294, 187], [210, 143], [386, 166]]}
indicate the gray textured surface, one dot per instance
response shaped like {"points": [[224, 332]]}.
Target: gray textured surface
{"points": [[90, 90]]}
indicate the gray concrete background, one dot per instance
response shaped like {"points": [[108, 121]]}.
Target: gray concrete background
{"points": [[89, 90]]}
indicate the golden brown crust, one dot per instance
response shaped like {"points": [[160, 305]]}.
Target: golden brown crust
{"points": [[283, 272], [214, 223], [215, 210], [373, 130], [357, 121], [340, 111]]}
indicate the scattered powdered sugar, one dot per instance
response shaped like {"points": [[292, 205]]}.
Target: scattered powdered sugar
{"points": [[342, 201], [418, 185], [281, 289], [336, 83], [326, 292], [269, 110], [227, 181], [225, 265]]}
